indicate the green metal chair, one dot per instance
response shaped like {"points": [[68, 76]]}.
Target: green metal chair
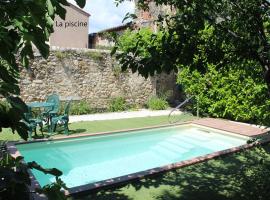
{"points": [[32, 123], [49, 112], [61, 120]]}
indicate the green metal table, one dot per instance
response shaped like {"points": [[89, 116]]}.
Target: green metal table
{"points": [[39, 104]]}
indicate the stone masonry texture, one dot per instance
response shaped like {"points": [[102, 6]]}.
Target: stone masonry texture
{"points": [[90, 75]]}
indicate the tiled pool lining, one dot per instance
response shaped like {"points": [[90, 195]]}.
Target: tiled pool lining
{"points": [[220, 126]]}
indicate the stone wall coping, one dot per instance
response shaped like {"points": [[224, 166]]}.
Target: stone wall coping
{"points": [[78, 50]]}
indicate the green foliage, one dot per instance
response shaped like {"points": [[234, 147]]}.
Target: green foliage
{"points": [[11, 115], [53, 190], [101, 47], [126, 41], [221, 50], [23, 25], [95, 55], [117, 104], [81, 108], [157, 103], [139, 40], [60, 55], [15, 181], [13, 185], [80, 3], [134, 107], [242, 26], [231, 92], [107, 36], [8, 79], [117, 70]]}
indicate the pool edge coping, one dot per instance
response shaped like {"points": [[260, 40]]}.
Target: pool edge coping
{"points": [[81, 135], [12, 149]]}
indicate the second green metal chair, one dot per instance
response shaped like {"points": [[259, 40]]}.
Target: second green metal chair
{"points": [[61, 120]]}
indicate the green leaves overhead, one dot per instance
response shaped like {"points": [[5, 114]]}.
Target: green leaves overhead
{"points": [[129, 16], [23, 25], [81, 3], [136, 48], [15, 184], [27, 23], [17, 103], [50, 7], [53, 171], [242, 26]]}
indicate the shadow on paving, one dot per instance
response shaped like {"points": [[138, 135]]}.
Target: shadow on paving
{"points": [[241, 176]]}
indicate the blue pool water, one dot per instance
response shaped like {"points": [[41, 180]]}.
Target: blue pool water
{"points": [[90, 159]]}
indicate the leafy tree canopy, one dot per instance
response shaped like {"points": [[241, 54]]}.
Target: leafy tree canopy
{"points": [[24, 25], [242, 27]]}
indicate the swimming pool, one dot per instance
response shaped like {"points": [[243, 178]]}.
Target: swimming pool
{"points": [[88, 160]]}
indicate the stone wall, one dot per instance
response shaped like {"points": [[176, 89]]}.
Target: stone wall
{"points": [[91, 75]]}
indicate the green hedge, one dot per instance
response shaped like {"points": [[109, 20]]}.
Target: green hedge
{"points": [[83, 107], [235, 92], [78, 108]]}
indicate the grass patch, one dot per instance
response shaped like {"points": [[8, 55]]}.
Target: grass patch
{"points": [[104, 125]]}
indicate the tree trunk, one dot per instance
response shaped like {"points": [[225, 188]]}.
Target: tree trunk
{"points": [[267, 78]]}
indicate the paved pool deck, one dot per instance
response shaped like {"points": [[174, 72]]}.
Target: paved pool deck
{"points": [[120, 115], [233, 127]]}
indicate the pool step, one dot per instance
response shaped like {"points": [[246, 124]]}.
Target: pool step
{"points": [[185, 139], [208, 144], [180, 143], [165, 152], [173, 147]]}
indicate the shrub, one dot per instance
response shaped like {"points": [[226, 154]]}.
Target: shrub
{"points": [[103, 47], [60, 55], [95, 55], [134, 107], [231, 92], [117, 70], [78, 108], [117, 104], [157, 103]]}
